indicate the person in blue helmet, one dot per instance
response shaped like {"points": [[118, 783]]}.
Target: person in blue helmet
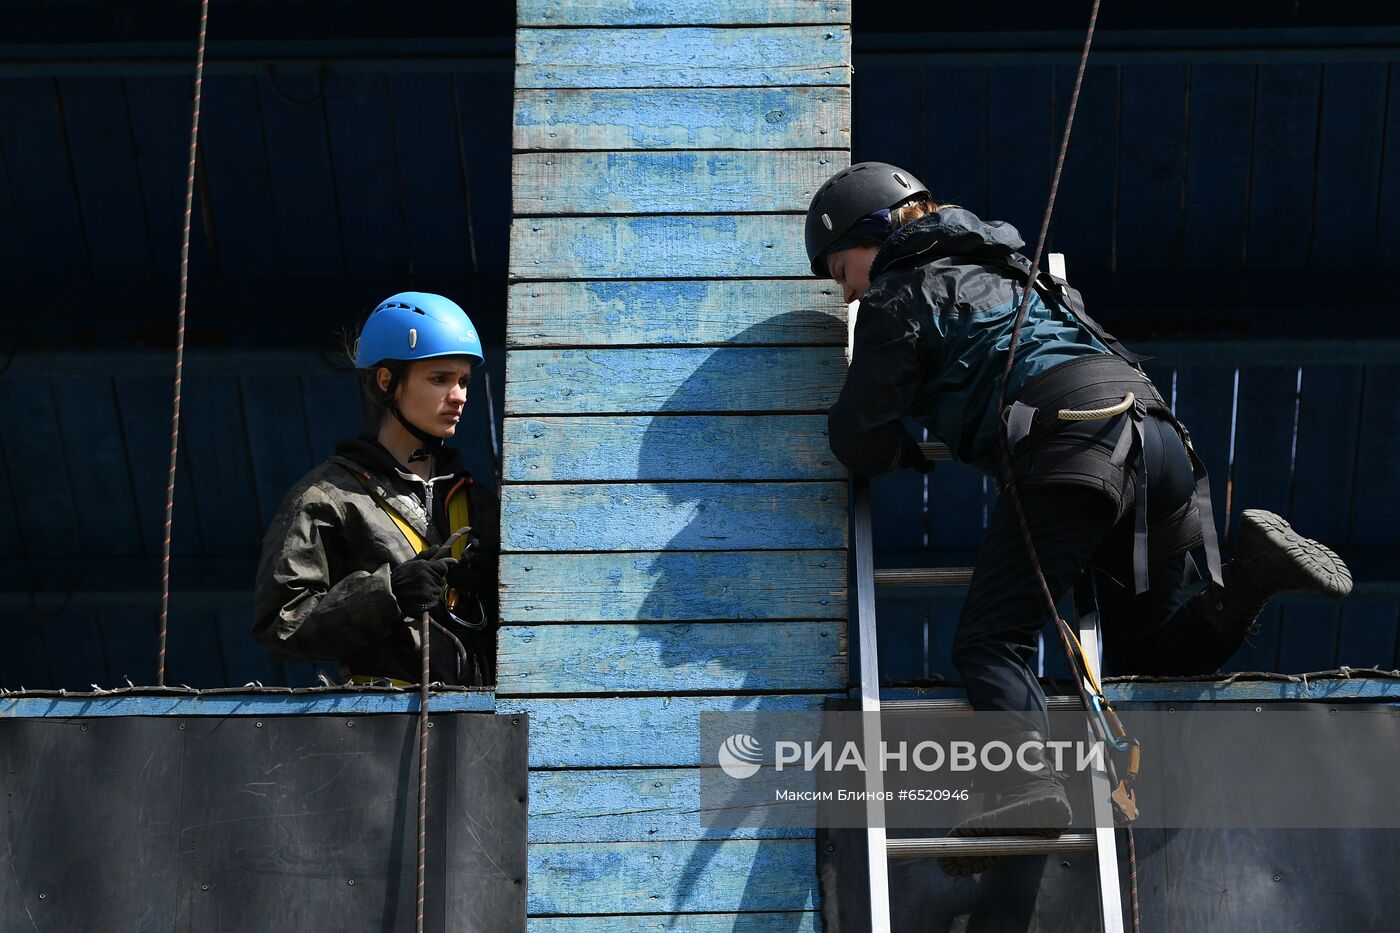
{"points": [[358, 550], [1121, 495]]}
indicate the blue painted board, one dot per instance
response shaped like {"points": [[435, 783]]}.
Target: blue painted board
{"points": [[363, 156], [567, 382], [631, 732], [669, 12], [213, 427], [13, 247], [245, 660], [1204, 400], [159, 108], [331, 407], [45, 201], [277, 444], [1368, 633], [1260, 652], [901, 630], [669, 447], [1085, 220], [1151, 167], [41, 480], [1217, 174], [672, 313], [484, 107], [1308, 636], [1351, 140], [683, 57], [1375, 509], [1021, 145], [957, 510], [898, 513], [129, 638], [748, 922], [722, 181], [667, 658], [299, 169], [1283, 166], [1263, 475], [955, 96], [76, 652], [104, 171], [696, 118], [194, 650], [238, 181], [329, 703], [430, 167], [25, 661], [1324, 468], [673, 585], [718, 246], [642, 877], [104, 498], [674, 516], [642, 804], [11, 541], [144, 407], [1388, 201]]}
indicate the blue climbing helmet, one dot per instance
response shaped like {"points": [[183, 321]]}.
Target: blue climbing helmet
{"points": [[416, 326]]}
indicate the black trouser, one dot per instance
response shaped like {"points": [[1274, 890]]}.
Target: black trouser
{"points": [[1075, 528]]}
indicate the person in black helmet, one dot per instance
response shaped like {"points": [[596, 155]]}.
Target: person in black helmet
{"points": [[939, 290]]}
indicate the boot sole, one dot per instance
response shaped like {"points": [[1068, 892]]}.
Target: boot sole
{"points": [[993, 823], [1313, 565]]}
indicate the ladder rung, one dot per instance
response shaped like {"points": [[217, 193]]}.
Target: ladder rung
{"points": [[954, 705], [989, 845], [924, 576], [936, 451]]}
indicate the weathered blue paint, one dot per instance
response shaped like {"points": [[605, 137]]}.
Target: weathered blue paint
{"points": [[1291, 690], [582, 382], [693, 118], [671, 182], [675, 657], [243, 704], [683, 57], [674, 516], [719, 246], [632, 804], [669, 447], [544, 314], [623, 732], [650, 877], [673, 12], [673, 585], [747, 922]]}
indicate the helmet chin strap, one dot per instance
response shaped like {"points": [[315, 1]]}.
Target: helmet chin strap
{"points": [[431, 443]]}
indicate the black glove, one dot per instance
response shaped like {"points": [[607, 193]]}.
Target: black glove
{"points": [[475, 571], [911, 456], [418, 583]]}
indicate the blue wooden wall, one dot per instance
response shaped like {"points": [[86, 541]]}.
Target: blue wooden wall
{"points": [[674, 521]]}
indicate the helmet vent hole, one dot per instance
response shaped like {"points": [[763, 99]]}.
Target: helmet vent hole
{"points": [[826, 221], [412, 338], [900, 178]]}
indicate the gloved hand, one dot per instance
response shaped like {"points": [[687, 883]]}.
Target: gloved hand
{"points": [[912, 457], [418, 583], [475, 571]]}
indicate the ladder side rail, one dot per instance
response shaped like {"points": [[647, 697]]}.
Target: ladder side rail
{"points": [[877, 857]]}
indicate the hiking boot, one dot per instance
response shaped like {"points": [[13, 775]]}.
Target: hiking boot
{"points": [[1025, 803], [1271, 558]]}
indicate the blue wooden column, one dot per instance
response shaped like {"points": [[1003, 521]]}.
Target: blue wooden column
{"points": [[674, 522]]}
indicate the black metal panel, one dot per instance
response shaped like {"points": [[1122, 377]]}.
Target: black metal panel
{"points": [[278, 823]]}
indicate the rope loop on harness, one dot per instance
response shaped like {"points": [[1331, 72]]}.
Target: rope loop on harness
{"points": [[1094, 414]]}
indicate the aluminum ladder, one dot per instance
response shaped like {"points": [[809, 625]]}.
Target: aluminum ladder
{"points": [[880, 849]]}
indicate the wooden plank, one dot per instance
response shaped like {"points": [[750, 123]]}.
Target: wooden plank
{"points": [[104, 498], [956, 519], [46, 203], [276, 430], [130, 636], [194, 655], [1388, 206], [144, 407], [900, 636], [1375, 510], [1283, 167], [668, 658], [1152, 167], [630, 732], [669, 447], [75, 650], [1085, 208], [673, 585], [647, 877], [242, 704], [220, 466], [332, 408], [719, 246], [1350, 142], [688, 118], [364, 159], [485, 121], [672, 313], [299, 165], [24, 664], [641, 804], [667, 12], [671, 182], [888, 111], [237, 179], [541, 382], [430, 167], [675, 516], [1324, 468], [748, 922], [41, 481], [1308, 636], [1217, 174], [1021, 145], [953, 96], [683, 57], [1368, 634], [245, 661], [1259, 652], [1203, 404], [1263, 474]]}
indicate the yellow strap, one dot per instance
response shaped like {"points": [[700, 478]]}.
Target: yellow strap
{"points": [[459, 515], [370, 679], [411, 535]]}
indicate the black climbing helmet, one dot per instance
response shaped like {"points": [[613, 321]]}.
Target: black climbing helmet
{"points": [[849, 195]]}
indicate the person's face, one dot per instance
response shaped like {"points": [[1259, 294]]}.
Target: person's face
{"points": [[850, 268], [433, 393]]}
